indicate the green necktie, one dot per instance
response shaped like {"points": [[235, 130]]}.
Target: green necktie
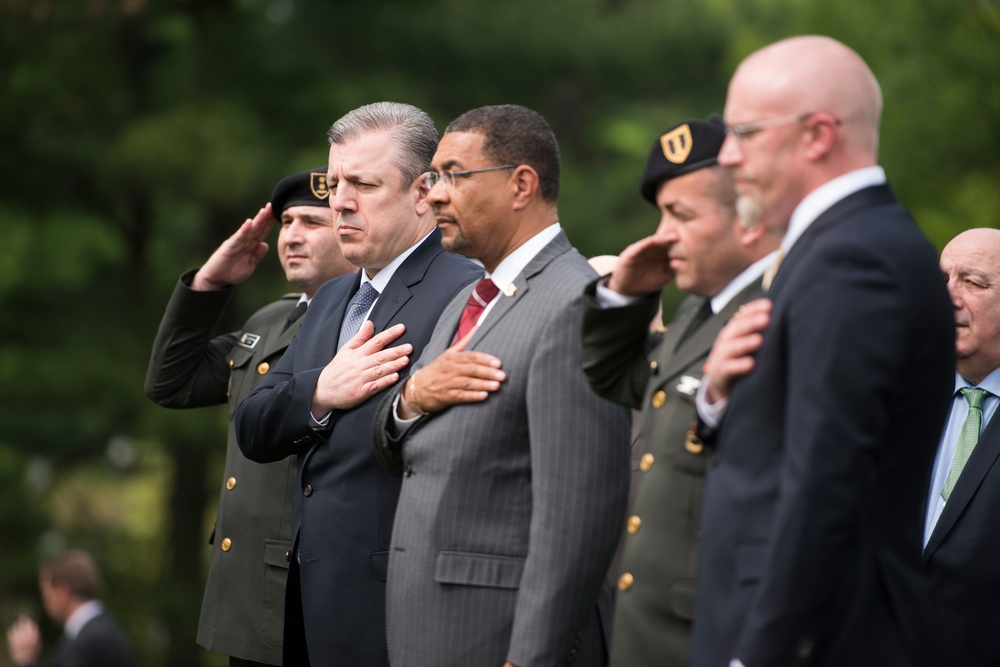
{"points": [[967, 437]]}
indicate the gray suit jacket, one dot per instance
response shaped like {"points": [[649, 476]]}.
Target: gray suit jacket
{"points": [[510, 509], [627, 364]]}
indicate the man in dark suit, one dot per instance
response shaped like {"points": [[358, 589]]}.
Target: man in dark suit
{"points": [[708, 252], [318, 402], [961, 540], [811, 521], [515, 480], [70, 585], [244, 601]]}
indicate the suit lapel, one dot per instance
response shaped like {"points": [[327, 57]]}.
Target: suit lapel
{"points": [[274, 338], [700, 342], [870, 197], [410, 272], [522, 283], [984, 456]]}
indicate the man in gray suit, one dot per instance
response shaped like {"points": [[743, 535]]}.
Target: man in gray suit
{"points": [[515, 473], [706, 250]]}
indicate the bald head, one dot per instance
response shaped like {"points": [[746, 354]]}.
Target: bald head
{"points": [[812, 73], [971, 262]]}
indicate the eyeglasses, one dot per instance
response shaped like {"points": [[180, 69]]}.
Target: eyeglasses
{"points": [[432, 178], [743, 130]]}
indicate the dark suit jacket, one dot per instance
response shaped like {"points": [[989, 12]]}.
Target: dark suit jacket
{"points": [[510, 507], [344, 505], [813, 510], [242, 611], [963, 555], [627, 364], [101, 643]]}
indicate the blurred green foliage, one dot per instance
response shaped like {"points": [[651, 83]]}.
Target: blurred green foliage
{"points": [[135, 135]]}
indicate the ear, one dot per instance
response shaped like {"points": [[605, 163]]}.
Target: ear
{"points": [[822, 134], [421, 205], [524, 182]]}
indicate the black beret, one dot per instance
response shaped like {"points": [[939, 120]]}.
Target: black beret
{"points": [[685, 147], [305, 189]]}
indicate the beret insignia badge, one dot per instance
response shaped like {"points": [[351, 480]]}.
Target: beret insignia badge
{"points": [[677, 144], [317, 183]]}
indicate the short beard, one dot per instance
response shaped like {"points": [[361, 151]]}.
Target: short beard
{"points": [[750, 210]]}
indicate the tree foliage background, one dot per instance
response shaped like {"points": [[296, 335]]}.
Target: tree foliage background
{"points": [[135, 135]]}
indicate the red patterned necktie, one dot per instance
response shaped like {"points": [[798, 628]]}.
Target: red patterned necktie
{"points": [[486, 290]]}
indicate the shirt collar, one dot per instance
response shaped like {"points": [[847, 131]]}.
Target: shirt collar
{"points": [[84, 614], [514, 263], [990, 383], [739, 283], [825, 196]]}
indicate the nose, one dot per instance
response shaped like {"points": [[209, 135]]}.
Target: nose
{"points": [[667, 226], [954, 292], [731, 152], [292, 232], [342, 198], [437, 194]]}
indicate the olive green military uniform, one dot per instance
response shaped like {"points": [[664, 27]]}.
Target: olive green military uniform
{"points": [[658, 373], [242, 612]]}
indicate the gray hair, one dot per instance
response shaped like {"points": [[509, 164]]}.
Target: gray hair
{"points": [[413, 131]]}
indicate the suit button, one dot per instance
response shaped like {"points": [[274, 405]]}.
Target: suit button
{"points": [[308, 490], [625, 582], [227, 544], [659, 398], [693, 443], [634, 522], [288, 556], [263, 368], [231, 483], [409, 471], [646, 462]]}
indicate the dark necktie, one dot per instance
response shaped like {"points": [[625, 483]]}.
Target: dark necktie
{"points": [[296, 314], [704, 312], [356, 311], [485, 291]]}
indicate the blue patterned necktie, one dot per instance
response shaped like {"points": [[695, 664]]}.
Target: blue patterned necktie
{"points": [[968, 437], [356, 311]]}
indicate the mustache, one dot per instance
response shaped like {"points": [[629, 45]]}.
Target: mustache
{"points": [[444, 216]]}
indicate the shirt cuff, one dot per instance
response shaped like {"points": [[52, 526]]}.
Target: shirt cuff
{"points": [[608, 298], [400, 423], [711, 414]]}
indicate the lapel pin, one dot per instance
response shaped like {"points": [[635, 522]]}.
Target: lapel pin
{"points": [[510, 289]]}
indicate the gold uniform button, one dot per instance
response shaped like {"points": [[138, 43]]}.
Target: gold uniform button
{"points": [[625, 582], [231, 362], [652, 366], [646, 462], [633, 525], [227, 544], [231, 483], [659, 398], [693, 443], [263, 368]]}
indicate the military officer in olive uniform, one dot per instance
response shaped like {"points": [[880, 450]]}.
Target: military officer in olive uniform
{"points": [[710, 253], [242, 613]]}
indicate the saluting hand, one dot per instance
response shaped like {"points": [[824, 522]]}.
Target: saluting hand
{"points": [[235, 260], [644, 266]]}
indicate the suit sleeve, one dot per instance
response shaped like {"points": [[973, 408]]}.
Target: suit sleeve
{"points": [[579, 483], [614, 344], [187, 367]]}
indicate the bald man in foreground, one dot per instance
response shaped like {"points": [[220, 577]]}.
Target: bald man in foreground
{"points": [[813, 508]]}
